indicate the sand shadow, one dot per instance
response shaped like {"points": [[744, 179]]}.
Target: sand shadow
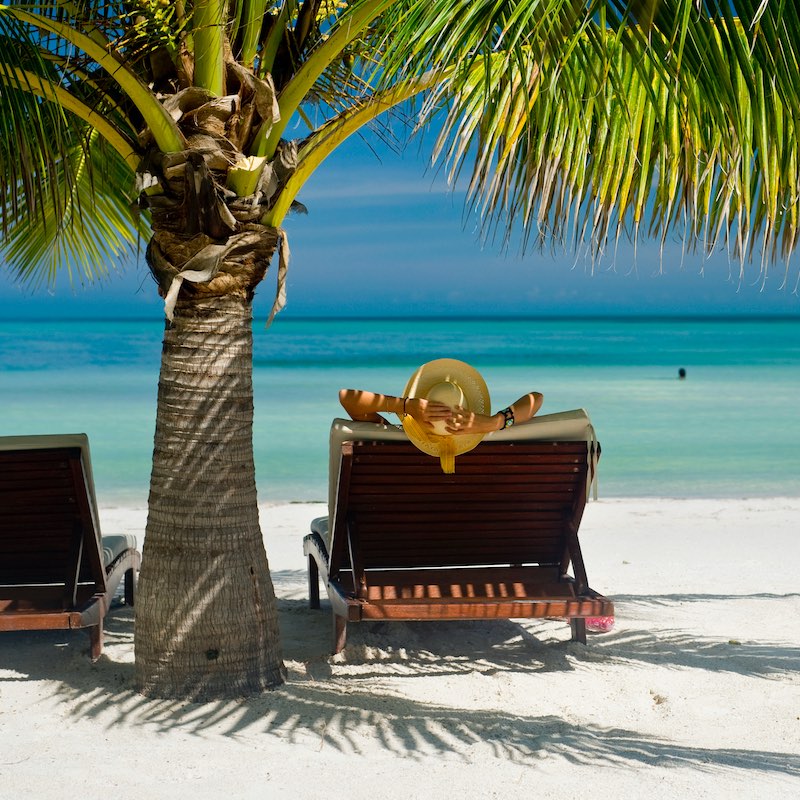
{"points": [[681, 648], [323, 708]]}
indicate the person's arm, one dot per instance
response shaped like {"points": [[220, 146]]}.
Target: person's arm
{"points": [[463, 421], [367, 406]]}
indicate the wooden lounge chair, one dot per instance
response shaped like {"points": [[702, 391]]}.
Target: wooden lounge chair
{"points": [[404, 541], [55, 570]]}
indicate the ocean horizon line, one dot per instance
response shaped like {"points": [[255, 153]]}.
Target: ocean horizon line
{"points": [[555, 317]]}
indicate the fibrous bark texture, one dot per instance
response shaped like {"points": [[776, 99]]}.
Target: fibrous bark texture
{"points": [[206, 619]]}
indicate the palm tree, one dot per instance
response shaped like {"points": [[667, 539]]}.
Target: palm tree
{"points": [[573, 121]]}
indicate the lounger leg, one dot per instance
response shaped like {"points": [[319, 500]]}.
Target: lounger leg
{"points": [[578, 627], [130, 587], [96, 637], [339, 633], [313, 583]]}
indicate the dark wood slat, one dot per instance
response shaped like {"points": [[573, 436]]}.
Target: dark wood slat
{"points": [[31, 575], [51, 499], [478, 489], [415, 542], [486, 451], [405, 465], [438, 577], [51, 565], [432, 516], [462, 496], [452, 536], [31, 542], [437, 550], [493, 540]]}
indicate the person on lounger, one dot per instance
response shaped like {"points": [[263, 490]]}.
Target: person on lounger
{"points": [[445, 411], [445, 408]]}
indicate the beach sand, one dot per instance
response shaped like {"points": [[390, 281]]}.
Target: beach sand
{"points": [[695, 693]]}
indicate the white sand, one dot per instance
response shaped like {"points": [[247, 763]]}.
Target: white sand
{"points": [[695, 693]]}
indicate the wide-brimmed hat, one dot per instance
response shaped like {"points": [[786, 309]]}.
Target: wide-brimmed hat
{"points": [[454, 383]]}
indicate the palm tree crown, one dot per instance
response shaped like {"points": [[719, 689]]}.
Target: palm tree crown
{"points": [[573, 118]]}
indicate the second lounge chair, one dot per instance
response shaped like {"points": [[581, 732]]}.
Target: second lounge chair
{"points": [[55, 569]]}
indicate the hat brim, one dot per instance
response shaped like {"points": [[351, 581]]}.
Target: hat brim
{"points": [[476, 399]]}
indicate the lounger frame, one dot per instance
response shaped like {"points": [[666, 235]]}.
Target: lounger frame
{"points": [[52, 571], [498, 539]]}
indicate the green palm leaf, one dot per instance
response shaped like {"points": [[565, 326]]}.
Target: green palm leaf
{"points": [[88, 231], [673, 121]]}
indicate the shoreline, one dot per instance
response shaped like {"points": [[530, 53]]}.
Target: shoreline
{"points": [[695, 692], [116, 513], [124, 502]]}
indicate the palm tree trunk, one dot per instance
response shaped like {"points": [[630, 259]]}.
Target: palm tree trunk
{"points": [[206, 616]]}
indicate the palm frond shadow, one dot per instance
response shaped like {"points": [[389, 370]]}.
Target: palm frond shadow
{"points": [[336, 714], [684, 649], [422, 649], [495, 646], [681, 649], [323, 708], [666, 599]]}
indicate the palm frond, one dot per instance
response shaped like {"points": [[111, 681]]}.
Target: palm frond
{"points": [[345, 29], [580, 122], [83, 39], [66, 192], [33, 133], [91, 227]]}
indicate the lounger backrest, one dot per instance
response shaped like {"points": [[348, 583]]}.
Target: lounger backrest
{"points": [[563, 426], [49, 542], [509, 502]]}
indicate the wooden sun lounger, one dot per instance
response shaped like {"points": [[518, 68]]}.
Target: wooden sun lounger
{"points": [[498, 539], [55, 570]]}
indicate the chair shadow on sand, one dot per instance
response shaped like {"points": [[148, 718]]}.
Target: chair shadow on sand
{"points": [[322, 706]]}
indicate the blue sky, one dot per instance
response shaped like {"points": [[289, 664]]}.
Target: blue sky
{"points": [[383, 238]]}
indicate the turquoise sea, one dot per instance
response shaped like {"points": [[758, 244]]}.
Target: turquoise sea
{"points": [[729, 429]]}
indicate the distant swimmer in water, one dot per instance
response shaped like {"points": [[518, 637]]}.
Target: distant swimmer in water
{"points": [[681, 373]]}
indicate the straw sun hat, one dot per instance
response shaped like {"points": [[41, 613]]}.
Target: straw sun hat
{"points": [[453, 383]]}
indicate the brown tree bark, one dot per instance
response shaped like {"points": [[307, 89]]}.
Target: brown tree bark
{"points": [[206, 615]]}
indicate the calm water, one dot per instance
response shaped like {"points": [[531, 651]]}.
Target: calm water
{"points": [[729, 429]]}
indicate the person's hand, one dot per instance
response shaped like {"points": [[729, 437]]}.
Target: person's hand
{"points": [[461, 420], [427, 412]]}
